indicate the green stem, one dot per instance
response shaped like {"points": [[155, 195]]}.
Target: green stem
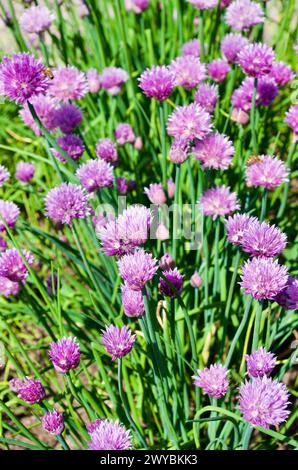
{"points": [[257, 323], [176, 213], [264, 204], [238, 332], [253, 118], [162, 113]]}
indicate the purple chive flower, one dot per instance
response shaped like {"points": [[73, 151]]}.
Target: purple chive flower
{"points": [[292, 118], [72, 144], [83, 9], [139, 5], [261, 239], [166, 262], [118, 341], [132, 301], [179, 151], [106, 150], [188, 71], [93, 78], [127, 232], [8, 287], [231, 45], [213, 380], [162, 232], [122, 185], [12, 265], [93, 425], [191, 47], [189, 122], [65, 354], [22, 77], [204, 4], [36, 19], [171, 187], [68, 117], [112, 79], [218, 69], [68, 83], [156, 194], [236, 226], [263, 278], [225, 3], [288, 298], [263, 402], [267, 91], [243, 14], [281, 73], [219, 201], [3, 244], [29, 390], [174, 278], [239, 116], [4, 175], [157, 82], [214, 151], [15, 384], [268, 172], [45, 108], [196, 280], [137, 268], [53, 422], [67, 202], [9, 213], [256, 59], [95, 174], [260, 362], [110, 435], [124, 134], [207, 96], [25, 172]]}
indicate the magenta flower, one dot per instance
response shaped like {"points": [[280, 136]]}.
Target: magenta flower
{"points": [[137, 268], [207, 96], [157, 82], [95, 174], [218, 69], [118, 341], [124, 134], [219, 201], [171, 187], [22, 77], [179, 151], [189, 122], [4, 175], [260, 362], [110, 435], [214, 151], [106, 150], [156, 194], [139, 5], [53, 422], [93, 425], [36, 19], [71, 144], [263, 278], [68, 83], [29, 390], [213, 380], [68, 117], [162, 232], [166, 262], [132, 301], [261, 239], [9, 213], [8, 287], [231, 45], [263, 402], [267, 91], [13, 266], [288, 298], [45, 108], [175, 278], [204, 4], [268, 172], [236, 226], [188, 71], [3, 244], [25, 172], [256, 59], [292, 118], [196, 280], [93, 79], [281, 73], [67, 202], [112, 79], [239, 116], [65, 354], [191, 47], [243, 14]]}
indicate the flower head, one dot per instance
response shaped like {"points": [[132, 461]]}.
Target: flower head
{"points": [[30, 390], [188, 71], [110, 435], [231, 45], [166, 262], [157, 82], [263, 278], [22, 77], [53, 422], [124, 134], [219, 201], [204, 4], [243, 14], [281, 73], [68, 83], [8, 287], [25, 171], [267, 171], [137, 268], [94, 425], [256, 59], [9, 213], [156, 194], [236, 226], [214, 151], [263, 402], [175, 279], [71, 144], [267, 91], [207, 96], [118, 341], [4, 175], [213, 380], [196, 280], [179, 151], [94, 82], [106, 150], [13, 266], [171, 187], [288, 298], [260, 362], [218, 69], [67, 202], [189, 122], [132, 301], [112, 79], [68, 117], [191, 47], [65, 354], [292, 118], [95, 174], [36, 19], [45, 108], [261, 239]]}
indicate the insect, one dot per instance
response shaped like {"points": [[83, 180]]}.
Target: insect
{"points": [[48, 72], [252, 160], [2, 355]]}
